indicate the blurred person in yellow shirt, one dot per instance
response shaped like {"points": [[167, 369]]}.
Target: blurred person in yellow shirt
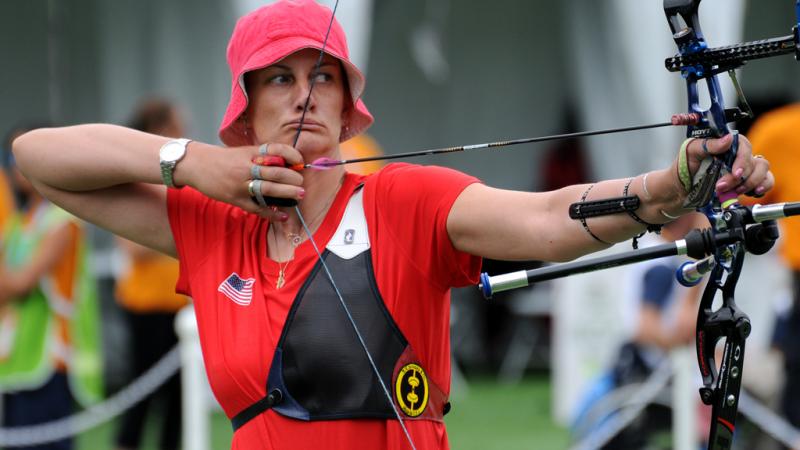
{"points": [[775, 136], [146, 291]]}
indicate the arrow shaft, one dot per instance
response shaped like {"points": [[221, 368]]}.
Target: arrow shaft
{"points": [[436, 151]]}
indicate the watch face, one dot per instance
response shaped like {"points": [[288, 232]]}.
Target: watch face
{"points": [[172, 151]]}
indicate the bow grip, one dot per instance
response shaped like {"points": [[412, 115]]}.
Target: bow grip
{"points": [[709, 172], [729, 198]]}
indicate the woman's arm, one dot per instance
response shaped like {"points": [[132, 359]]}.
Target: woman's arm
{"points": [[511, 225], [104, 174], [110, 176]]}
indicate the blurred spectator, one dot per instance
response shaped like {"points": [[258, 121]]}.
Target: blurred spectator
{"points": [[49, 335], [6, 193], [146, 292], [774, 135], [661, 313]]}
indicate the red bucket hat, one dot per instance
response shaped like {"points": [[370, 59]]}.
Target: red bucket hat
{"points": [[273, 32]]}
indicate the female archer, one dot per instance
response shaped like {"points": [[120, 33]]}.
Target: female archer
{"points": [[325, 325]]}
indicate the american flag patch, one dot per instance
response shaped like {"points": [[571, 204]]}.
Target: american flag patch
{"points": [[237, 289]]}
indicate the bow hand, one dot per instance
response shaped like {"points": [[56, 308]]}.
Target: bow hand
{"points": [[702, 168]]}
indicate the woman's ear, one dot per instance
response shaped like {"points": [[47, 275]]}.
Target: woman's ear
{"points": [[248, 132]]}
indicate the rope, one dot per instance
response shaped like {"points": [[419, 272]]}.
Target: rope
{"points": [[768, 421], [774, 425], [96, 414], [643, 396]]}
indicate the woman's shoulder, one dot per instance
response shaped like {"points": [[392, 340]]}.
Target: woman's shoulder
{"points": [[416, 174], [424, 187]]}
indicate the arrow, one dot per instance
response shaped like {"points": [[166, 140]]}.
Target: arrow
{"points": [[682, 119]]}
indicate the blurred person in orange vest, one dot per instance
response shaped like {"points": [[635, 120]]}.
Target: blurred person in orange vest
{"points": [[362, 146], [49, 320], [6, 194], [775, 136], [146, 291]]}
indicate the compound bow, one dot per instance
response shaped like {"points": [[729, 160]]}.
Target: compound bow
{"points": [[696, 62]]}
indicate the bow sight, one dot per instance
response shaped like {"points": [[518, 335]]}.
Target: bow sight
{"points": [[701, 60], [696, 61]]}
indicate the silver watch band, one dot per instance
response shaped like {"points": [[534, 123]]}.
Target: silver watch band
{"points": [[168, 160]]}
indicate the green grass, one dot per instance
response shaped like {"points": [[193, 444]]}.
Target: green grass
{"points": [[487, 416], [102, 437], [501, 416]]}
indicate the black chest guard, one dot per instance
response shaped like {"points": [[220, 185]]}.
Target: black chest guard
{"points": [[319, 370]]}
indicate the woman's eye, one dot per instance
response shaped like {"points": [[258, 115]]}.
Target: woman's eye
{"points": [[322, 77], [279, 79]]}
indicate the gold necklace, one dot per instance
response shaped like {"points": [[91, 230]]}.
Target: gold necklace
{"points": [[281, 265], [297, 238]]}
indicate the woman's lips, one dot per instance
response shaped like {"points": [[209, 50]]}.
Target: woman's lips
{"points": [[307, 125]]}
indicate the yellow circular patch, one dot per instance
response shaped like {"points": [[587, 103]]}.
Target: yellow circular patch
{"points": [[411, 390]]}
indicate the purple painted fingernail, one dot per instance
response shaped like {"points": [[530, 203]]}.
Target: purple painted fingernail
{"points": [[283, 217], [722, 186], [760, 190], [739, 172], [301, 194]]}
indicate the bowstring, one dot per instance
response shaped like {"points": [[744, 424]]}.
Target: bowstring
{"points": [[319, 254]]}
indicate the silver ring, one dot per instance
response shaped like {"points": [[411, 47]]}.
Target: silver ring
{"points": [[262, 149], [255, 172], [251, 187], [259, 195]]}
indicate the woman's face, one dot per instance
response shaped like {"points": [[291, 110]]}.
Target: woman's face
{"points": [[277, 98]]}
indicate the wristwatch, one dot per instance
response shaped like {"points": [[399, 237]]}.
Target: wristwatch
{"points": [[170, 154]]}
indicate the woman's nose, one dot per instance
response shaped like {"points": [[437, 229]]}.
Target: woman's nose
{"points": [[303, 95]]}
